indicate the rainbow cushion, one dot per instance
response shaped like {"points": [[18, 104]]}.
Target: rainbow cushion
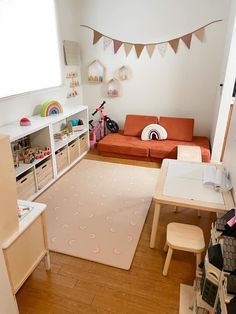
{"points": [[153, 132], [50, 107]]}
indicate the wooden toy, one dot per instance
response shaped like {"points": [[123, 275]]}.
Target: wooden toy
{"points": [[50, 107], [77, 124]]}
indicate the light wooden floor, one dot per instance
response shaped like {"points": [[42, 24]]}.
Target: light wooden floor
{"points": [[78, 286]]}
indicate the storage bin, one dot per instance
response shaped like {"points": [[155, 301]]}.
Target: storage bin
{"points": [[44, 173], [83, 143], [73, 150], [62, 159], [25, 185]]}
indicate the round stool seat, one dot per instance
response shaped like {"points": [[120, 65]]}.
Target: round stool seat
{"points": [[185, 237]]}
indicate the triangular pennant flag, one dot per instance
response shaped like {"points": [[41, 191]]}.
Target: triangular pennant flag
{"points": [[174, 44], [150, 49], [187, 40], [127, 47], [117, 45], [96, 37], [162, 48], [106, 42], [200, 34], [139, 49]]}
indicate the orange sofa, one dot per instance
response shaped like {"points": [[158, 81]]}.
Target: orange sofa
{"points": [[128, 143]]}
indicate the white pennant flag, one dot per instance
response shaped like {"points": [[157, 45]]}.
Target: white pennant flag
{"points": [[106, 42], [162, 48]]}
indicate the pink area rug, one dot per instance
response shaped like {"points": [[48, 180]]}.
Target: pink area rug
{"points": [[97, 210]]}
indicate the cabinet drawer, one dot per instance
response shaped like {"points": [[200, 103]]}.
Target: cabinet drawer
{"points": [[74, 150], [44, 173], [83, 143], [26, 186], [62, 159], [25, 253]]}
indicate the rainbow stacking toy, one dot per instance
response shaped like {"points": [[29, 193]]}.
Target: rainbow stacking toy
{"points": [[50, 107]]}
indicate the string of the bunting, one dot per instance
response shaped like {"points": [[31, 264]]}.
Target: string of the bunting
{"points": [[150, 47]]}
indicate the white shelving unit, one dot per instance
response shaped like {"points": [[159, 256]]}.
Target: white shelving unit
{"points": [[64, 153]]}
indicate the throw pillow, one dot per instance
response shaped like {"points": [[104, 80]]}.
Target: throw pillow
{"points": [[154, 132]]}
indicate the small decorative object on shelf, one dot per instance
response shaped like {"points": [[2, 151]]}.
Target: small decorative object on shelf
{"points": [[124, 73], [66, 132], [25, 121], [113, 88], [73, 84], [77, 124], [96, 72], [50, 107]]}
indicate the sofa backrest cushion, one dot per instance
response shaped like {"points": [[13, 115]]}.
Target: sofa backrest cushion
{"points": [[134, 124], [179, 129]]}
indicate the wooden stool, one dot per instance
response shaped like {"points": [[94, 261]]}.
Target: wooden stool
{"points": [[183, 237]]}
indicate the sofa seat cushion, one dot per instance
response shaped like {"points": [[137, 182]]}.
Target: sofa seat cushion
{"points": [[168, 148], [180, 129], [126, 145], [134, 124]]}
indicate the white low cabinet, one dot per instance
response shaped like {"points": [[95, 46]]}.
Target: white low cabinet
{"points": [[33, 178]]}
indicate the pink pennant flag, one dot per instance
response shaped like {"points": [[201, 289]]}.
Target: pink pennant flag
{"points": [[200, 34], [117, 45], [187, 40], [127, 47], [150, 49]]}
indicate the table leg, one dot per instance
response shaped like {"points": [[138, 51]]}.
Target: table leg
{"points": [[155, 224], [47, 262]]}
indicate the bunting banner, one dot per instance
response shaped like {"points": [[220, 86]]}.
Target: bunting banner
{"points": [[96, 36], [127, 47], [162, 48], [106, 42], [150, 47], [187, 40], [117, 45]]}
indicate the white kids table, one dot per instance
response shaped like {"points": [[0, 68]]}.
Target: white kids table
{"points": [[180, 183]]}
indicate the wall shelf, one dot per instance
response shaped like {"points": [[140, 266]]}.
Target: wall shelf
{"points": [[96, 72]]}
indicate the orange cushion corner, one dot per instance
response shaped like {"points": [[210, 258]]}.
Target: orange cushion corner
{"points": [[179, 129]]}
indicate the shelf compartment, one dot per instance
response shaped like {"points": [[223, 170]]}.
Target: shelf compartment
{"points": [[73, 150], [83, 143], [44, 173], [62, 159], [26, 185], [61, 143], [24, 167]]}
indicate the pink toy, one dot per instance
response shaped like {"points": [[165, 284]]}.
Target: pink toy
{"points": [[25, 121], [100, 130]]}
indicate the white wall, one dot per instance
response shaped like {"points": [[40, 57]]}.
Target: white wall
{"points": [[181, 85], [7, 301], [224, 96], [230, 152], [13, 108]]}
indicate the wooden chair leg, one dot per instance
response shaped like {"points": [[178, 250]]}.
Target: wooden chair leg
{"points": [[198, 260], [167, 261], [166, 247], [175, 209]]}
